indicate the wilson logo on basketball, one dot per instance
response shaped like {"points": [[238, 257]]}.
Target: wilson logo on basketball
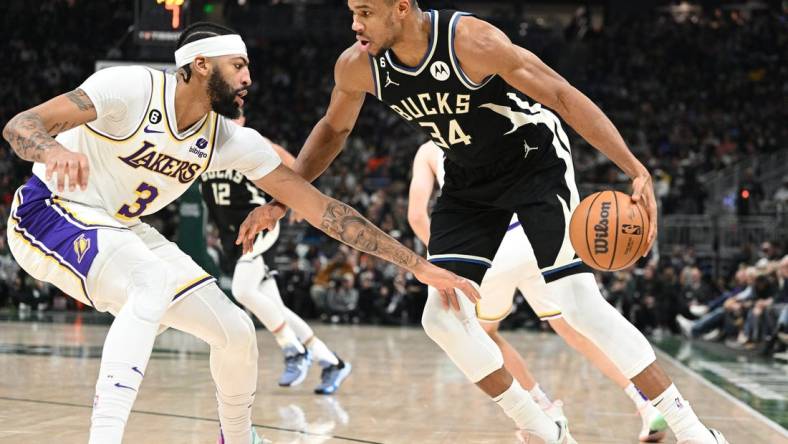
{"points": [[601, 229]]}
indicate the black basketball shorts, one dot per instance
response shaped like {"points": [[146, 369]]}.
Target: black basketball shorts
{"points": [[469, 222]]}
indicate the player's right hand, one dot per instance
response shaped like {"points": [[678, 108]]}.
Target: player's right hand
{"points": [[446, 282], [643, 193], [261, 218], [67, 164]]}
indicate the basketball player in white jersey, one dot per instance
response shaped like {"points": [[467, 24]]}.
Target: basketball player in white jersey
{"points": [[229, 197], [514, 267], [129, 141]]}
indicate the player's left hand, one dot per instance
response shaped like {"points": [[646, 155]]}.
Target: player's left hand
{"points": [[261, 218], [447, 284], [643, 193]]}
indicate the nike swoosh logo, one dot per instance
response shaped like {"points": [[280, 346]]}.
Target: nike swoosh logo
{"points": [[119, 385], [151, 130]]}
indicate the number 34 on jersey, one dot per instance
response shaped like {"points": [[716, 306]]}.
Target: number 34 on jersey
{"points": [[428, 104]]}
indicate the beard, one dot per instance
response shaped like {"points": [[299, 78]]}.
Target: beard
{"points": [[223, 97]]}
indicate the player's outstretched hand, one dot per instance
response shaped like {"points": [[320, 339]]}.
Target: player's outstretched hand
{"points": [[446, 282], [261, 218], [643, 193], [67, 164]]}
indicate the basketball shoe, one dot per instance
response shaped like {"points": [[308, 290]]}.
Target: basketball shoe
{"points": [[332, 376], [564, 437], [654, 425], [255, 438], [296, 367], [718, 439]]}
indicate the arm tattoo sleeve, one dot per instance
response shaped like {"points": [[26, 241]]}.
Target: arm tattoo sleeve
{"points": [[28, 137], [79, 98], [347, 225]]}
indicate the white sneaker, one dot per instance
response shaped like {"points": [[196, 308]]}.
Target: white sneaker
{"points": [[556, 412], [685, 325], [654, 425], [717, 438], [530, 437]]}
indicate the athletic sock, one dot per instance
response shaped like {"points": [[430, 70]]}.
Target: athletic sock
{"points": [[321, 353], [127, 349], [518, 405], [235, 416], [679, 415], [638, 398], [286, 337], [540, 397]]}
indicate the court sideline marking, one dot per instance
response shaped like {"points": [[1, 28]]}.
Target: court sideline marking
{"points": [[758, 415], [197, 418]]}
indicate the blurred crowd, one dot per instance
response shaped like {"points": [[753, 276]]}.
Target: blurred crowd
{"points": [[689, 97]]}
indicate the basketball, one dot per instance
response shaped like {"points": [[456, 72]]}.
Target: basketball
{"points": [[608, 231]]}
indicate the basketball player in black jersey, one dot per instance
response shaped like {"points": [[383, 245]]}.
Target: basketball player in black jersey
{"points": [[494, 108], [229, 197]]}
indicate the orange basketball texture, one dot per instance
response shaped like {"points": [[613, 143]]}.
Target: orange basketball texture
{"points": [[608, 231]]}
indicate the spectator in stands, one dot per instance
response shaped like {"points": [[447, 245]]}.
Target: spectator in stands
{"points": [[333, 289], [9, 271], [781, 196]]}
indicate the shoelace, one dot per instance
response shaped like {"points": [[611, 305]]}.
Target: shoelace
{"points": [[291, 362]]}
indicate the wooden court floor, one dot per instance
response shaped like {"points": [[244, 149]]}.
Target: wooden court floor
{"points": [[402, 390]]}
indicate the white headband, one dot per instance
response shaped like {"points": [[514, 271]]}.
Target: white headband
{"points": [[210, 47]]}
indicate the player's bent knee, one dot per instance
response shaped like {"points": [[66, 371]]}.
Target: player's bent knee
{"points": [[440, 324], [240, 332], [242, 293]]}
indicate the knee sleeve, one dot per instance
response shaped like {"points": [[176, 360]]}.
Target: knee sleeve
{"points": [[461, 336], [302, 330], [246, 279], [150, 291], [585, 310]]}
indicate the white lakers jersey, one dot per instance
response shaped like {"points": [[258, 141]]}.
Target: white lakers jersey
{"points": [[138, 160]]}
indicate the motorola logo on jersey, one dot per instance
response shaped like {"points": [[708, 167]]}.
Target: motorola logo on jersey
{"points": [[147, 157], [154, 116], [440, 70], [430, 104]]}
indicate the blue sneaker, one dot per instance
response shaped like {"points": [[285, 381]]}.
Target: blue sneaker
{"points": [[332, 376], [296, 367], [255, 438]]}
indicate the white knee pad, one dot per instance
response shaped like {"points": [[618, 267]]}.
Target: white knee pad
{"points": [[241, 333], [150, 291], [246, 280], [585, 310], [461, 336]]}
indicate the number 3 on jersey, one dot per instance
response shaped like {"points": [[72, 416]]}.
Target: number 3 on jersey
{"points": [[456, 134], [147, 193]]}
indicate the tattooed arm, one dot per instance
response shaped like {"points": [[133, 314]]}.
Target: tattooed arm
{"points": [[30, 133], [345, 224]]}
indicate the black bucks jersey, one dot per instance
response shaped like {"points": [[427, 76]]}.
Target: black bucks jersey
{"points": [[230, 197], [505, 154], [476, 124]]}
